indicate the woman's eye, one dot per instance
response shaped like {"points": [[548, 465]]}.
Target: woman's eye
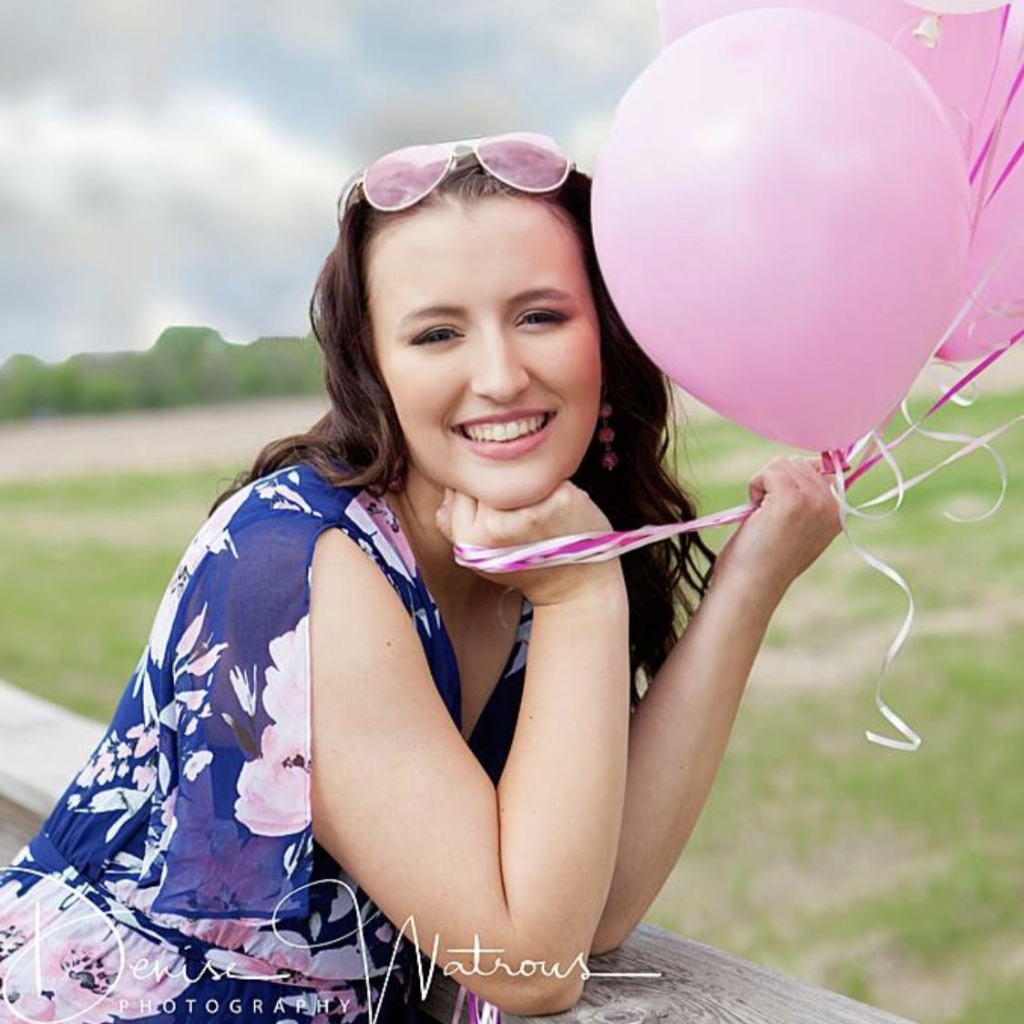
{"points": [[430, 338], [551, 317]]}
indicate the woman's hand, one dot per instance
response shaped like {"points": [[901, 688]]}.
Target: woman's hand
{"points": [[566, 510], [796, 520]]}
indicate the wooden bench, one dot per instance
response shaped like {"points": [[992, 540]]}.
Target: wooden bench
{"points": [[698, 984], [693, 982], [17, 826]]}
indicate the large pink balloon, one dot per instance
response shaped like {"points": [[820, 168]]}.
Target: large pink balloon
{"points": [[958, 68], [781, 212], [995, 266]]}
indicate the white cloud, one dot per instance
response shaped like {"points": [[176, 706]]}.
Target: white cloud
{"points": [[211, 153], [586, 138], [99, 46], [460, 106], [203, 203], [314, 26], [585, 38]]}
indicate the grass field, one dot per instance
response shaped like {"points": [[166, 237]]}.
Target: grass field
{"points": [[895, 878]]}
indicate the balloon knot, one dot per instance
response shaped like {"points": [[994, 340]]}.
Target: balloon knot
{"points": [[929, 32], [832, 460]]}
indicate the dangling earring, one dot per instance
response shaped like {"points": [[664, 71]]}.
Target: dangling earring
{"points": [[395, 483], [606, 435]]}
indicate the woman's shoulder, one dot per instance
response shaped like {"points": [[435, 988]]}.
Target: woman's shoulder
{"points": [[297, 502], [366, 518], [296, 493]]}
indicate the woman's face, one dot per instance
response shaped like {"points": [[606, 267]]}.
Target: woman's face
{"points": [[493, 349]]}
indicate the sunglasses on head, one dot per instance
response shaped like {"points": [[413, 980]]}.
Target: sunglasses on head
{"points": [[527, 161]]}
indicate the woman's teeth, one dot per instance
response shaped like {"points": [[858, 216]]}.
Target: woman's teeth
{"points": [[505, 431]]}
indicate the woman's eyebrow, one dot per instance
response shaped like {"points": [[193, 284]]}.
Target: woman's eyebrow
{"points": [[530, 295]]}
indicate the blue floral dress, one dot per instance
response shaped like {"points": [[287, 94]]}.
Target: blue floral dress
{"points": [[177, 878]]}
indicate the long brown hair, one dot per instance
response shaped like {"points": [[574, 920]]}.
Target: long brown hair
{"points": [[361, 430]]}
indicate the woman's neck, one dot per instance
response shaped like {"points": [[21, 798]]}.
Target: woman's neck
{"points": [[453, 586]]}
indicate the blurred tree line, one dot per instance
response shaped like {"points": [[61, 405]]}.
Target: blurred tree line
{"points": [[185, 366]]}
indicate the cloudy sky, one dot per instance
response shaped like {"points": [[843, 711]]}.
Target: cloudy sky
{"points": [[179, 162]]}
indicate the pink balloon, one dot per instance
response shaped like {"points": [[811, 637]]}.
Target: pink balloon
{"points": [[995, 266], [785, 246], [958, 68]]}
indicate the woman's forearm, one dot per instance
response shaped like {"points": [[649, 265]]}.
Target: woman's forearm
{"points": [[560, 797], [678, 735]]}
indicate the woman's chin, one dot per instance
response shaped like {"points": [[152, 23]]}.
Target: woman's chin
{"points": [[507, 496]]}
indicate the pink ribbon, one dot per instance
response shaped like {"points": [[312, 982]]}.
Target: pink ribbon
{"points": [[1010, 36]]}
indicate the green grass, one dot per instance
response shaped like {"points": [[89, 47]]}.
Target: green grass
{"points": [[87, 561], [897, 879]]}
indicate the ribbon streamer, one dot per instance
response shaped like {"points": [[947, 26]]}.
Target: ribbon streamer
{"points": [[490, 1014], [938, 435], [1011, 18], [938, 366], [974, 445], [1009, 36], [949, 396], [912, 740]]}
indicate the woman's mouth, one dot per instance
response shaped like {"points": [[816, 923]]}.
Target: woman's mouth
{"points": [[497, 447]]}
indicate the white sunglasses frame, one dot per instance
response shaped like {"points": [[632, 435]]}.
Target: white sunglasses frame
{"points": [[456, 148]]}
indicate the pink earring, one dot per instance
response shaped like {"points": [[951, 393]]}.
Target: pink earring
{"points": [[606, 435], [395, 483]]}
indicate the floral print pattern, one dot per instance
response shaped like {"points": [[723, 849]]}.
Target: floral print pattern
{"points": [[186, 839]]}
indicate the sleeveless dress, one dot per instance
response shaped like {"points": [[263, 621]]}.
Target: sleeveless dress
{"points": [[177, 877]]}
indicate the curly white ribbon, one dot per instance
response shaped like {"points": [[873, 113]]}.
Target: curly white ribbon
{"points": [[912, 740]]}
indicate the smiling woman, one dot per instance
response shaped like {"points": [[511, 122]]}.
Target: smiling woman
{"points": [[334, 725], [491, 277]]}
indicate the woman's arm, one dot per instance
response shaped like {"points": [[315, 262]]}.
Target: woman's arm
{"points": [[561, 794], [400, 801], [681, 728], [677, 737]]}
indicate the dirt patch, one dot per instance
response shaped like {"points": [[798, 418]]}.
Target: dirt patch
{"points": [[803, 666], [206, 437]]}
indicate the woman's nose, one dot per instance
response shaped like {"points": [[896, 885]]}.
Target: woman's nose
{"points": [[499, 373]]}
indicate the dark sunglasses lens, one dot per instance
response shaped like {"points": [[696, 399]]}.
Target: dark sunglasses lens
{"points": [[526, 160], [404, 177]]}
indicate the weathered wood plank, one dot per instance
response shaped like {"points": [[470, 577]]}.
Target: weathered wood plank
{"points": [[42, 748], [17, 826], [698, 983]]}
